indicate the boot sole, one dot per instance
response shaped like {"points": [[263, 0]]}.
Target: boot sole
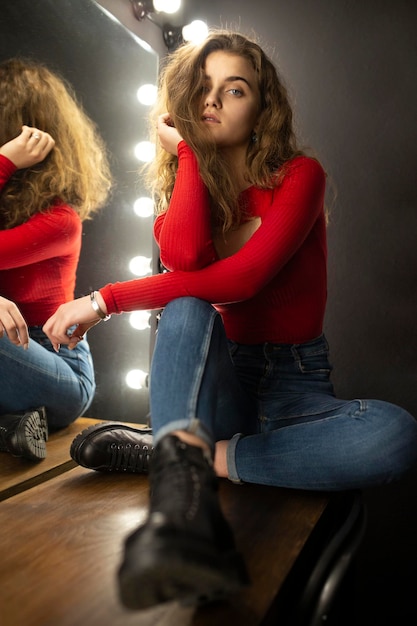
{"points": [[44, 422], [85, 435], [32, 434], [192, 573]]}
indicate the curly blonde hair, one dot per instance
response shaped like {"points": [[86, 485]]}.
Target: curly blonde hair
{"points": [[180, 89], [76, 171]]}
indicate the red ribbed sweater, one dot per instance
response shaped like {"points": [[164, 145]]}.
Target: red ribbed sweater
{"points": [[273, 289], [38, 259]]}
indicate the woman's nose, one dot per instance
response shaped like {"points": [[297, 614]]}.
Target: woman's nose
{"points": [[212, 100]]}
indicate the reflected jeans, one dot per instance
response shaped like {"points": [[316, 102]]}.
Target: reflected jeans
{"points": [[276, 405], [62, 382]]}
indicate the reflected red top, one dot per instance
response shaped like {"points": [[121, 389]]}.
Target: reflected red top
{"points": [[38, 259]]}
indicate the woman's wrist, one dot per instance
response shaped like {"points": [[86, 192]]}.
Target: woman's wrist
{"points": [[99, 305]]}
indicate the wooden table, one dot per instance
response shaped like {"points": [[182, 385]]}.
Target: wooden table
{"points": [[63, 529]]}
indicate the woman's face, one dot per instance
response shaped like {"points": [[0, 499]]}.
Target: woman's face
{"points": [[230, 102]]}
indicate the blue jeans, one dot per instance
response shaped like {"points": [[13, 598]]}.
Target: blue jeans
{"points": [[62, 382], [276, 405]]}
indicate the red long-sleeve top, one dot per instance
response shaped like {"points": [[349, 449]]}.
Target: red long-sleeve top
{"points": [[273, 289], [38, 259]]}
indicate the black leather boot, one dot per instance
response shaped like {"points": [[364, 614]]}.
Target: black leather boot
{"points": [[25, 434], [185, 550], [113, 447]]}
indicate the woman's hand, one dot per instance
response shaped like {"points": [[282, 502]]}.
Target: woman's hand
{"points": [[168, 134], [13, 324], [75, 313], [30, 147]]}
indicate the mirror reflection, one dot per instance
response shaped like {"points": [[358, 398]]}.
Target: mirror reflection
{"points": [[114, 75]]}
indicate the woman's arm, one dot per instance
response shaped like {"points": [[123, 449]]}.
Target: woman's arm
{"points": [[183, 233]]}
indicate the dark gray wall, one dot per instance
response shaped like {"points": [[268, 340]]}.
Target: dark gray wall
{"points": [[351, 70]]}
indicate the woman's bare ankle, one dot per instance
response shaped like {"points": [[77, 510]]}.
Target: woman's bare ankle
{"points": [[220, 459]]}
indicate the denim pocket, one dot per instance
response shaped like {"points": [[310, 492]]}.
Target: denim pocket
{"points": [[314, 364]]}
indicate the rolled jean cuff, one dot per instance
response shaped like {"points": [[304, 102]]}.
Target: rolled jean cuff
{"points": [[231, 458], [195, 427]]}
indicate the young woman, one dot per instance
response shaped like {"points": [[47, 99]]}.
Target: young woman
{"points": [[53, 175], [240, 371]]}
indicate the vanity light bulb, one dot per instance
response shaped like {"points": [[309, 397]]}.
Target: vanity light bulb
{"points": [[140, 265], [140, 320], [136, 379], [145, 151], [167, 6], [143, 207], [146, 94], [196, 31]]}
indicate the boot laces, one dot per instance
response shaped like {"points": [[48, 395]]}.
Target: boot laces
{"points": [[125, 456]]}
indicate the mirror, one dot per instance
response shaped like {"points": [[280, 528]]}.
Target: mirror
{"points": [[106, 64]]}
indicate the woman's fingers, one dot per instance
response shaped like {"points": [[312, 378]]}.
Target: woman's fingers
{"points": [[39, 142], [29, 148], [13, 324], [168, 135], [78, 313]]}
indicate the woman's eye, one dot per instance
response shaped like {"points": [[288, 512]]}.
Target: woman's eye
{"points": [[235, 92]]}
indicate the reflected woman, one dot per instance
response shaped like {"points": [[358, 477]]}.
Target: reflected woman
{"points": [[54, 174]]}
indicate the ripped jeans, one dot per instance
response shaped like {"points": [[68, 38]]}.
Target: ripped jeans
{"points": [[62, 382], [276, 405]]}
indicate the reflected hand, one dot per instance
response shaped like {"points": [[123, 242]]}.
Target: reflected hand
{"points": [[168, 134], [75, 313], [13, 324], [29, 148]]}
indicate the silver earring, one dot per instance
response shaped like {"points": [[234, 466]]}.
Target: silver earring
{"points": [[254, 137]]}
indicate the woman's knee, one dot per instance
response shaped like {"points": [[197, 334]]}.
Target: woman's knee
{"points": [[188, 305], [187, 315], [395, 435]]}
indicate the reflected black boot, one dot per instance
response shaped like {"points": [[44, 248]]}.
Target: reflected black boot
{"points": [[25, 434], [113, 447], [185, 551]]}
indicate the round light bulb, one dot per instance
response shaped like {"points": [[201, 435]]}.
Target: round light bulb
{"points": [[136, 379], [143, 207], [146, 94], [145, 151], [196, 31], [167, 6], [140, 319], [140, 265]]}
